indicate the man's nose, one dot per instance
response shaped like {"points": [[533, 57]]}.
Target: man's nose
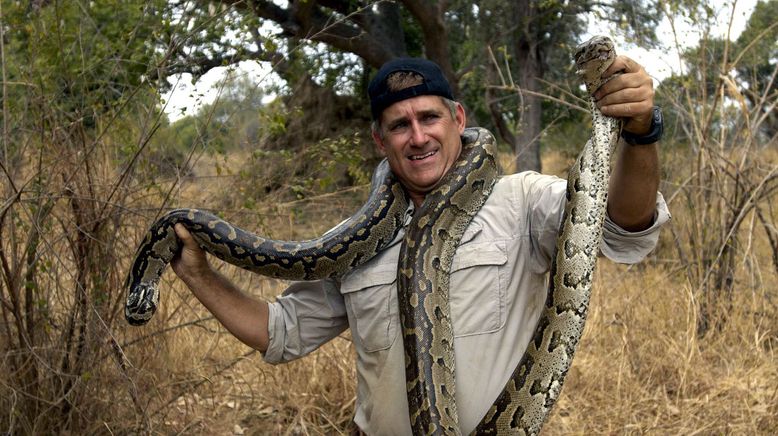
{"points": [[418, 135]]}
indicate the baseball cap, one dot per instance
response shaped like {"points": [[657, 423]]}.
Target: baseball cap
{"points": [[381, 97]]}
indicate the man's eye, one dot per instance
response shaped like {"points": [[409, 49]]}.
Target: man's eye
{"points": [[398, 126], [430, 117]]}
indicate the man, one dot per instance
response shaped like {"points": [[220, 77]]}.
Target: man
{"points": [[499, 272]]}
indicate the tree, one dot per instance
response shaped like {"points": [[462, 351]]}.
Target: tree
{"points": [[755, 56], [537, 39]]}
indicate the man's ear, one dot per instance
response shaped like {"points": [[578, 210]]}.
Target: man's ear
{"points": [[379, 143], [461, 118]]}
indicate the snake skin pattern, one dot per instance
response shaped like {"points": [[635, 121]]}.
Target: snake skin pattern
{"points": [[347, 246], [426, 255]]}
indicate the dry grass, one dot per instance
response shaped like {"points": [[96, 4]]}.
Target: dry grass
{"points": [[640, 368]]}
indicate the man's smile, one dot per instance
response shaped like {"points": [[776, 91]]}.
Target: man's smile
{"points": [[423, 155]]}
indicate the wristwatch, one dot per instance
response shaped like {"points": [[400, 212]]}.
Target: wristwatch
{"points": [[654, 133]]}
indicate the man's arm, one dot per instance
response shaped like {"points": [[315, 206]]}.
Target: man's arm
{"points": [[635, 178], [244, 317]]}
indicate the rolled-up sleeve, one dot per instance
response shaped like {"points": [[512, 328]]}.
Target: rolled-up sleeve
{"points": [[543, 199], [304, 317], [622, 246]]}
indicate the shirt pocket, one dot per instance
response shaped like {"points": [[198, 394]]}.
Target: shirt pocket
{"points": [[372, 308], [477, 292]]}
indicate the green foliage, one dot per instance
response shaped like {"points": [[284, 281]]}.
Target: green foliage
{"points": [[743, 70], [277, 157], [336, 153], [756, 57], [413, 35], [305, 172], [531, 43], [170, 147], [84, 58], [544, 32], [333, 69], [757, 46], [237, 120]]}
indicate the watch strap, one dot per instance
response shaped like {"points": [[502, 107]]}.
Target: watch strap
{"points": [[654, 133]]}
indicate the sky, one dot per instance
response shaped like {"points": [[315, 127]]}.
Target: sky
{"points": [[664, 61], [185, 98]]}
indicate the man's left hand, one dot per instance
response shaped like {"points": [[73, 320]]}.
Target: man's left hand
{"points": [[629, 96]]}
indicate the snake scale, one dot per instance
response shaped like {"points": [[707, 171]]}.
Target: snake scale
{"points": [[423, 271]]}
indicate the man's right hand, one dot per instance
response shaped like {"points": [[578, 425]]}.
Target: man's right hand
{"points": [[191, 262]]}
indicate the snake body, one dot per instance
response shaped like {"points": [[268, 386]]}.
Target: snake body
{"points": [[423, 278], [343, 248], [423, 272]]}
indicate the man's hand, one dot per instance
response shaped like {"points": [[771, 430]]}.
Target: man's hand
{"points": [[191, 262], [635, 178], [629, 96]]}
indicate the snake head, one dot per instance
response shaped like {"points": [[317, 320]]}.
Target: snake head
{"points": [[592, 58], [141, 303]]}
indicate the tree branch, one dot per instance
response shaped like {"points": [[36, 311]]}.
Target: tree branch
{"points": [[429, 15], [318, 21]]}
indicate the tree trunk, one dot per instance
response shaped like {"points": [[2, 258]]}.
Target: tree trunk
{"points": [[527, 58]]}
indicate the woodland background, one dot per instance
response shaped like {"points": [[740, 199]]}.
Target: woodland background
{"points": [[685, 342]]}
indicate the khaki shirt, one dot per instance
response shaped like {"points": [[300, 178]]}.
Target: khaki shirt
{"points": [[498, 289]]}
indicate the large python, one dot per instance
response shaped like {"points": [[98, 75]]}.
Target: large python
{"points": [[428, 247], [426, 254], [347, 246], [535, 384]]}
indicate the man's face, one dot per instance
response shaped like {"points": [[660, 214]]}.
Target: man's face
{"points": [[421, 140]]}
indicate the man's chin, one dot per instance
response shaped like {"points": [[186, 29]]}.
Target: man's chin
{"points": [[424, 189]]}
